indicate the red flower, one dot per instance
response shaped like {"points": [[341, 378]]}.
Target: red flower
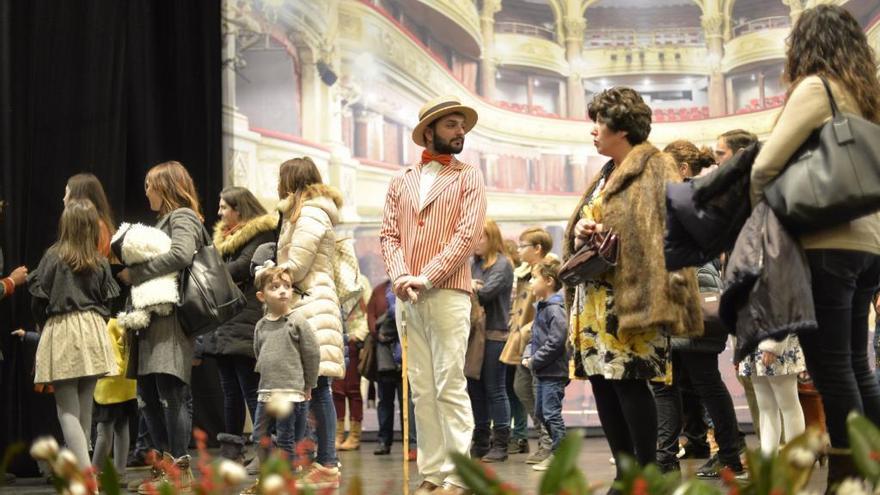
{"points": [[640, 486], [728, 476], [875, 456]]}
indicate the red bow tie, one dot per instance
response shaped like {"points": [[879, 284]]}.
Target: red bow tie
{"points": [[428, 157]]}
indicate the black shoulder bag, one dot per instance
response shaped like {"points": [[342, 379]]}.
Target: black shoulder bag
{"points": [[208, 295], [833, 178]]}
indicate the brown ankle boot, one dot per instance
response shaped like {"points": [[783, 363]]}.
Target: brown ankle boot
{"points": [[353, 442], [340, 433]]}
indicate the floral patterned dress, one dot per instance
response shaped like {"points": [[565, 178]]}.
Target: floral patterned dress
{"points": [[599, 347], [790, 362]]}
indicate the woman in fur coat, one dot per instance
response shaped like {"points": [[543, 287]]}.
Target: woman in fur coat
{"points": [[306, 245], [244, 225], [621, 323]]}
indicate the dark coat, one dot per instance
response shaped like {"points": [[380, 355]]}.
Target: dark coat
{"points": [[236, 336], [704, 215], [709, 280], [549, 356], [768, 293], [646, 295]]}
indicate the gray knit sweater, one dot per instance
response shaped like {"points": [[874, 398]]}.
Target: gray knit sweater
{"points": [[287, 353]]}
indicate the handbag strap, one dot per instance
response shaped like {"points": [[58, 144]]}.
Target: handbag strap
{"points": [[835, 111]]}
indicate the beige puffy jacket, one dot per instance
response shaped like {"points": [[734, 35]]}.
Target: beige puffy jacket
{"points": [[307, 247]]}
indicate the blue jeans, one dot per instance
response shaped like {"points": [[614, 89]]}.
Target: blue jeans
{"points": [[548, 407], [239, 382], [517, 411], [489, 393], [322, 408], [166, 411], [284, 431]]}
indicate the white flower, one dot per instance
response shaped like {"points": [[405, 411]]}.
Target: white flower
{"points": [[801, 458], [272, 485], [44, 448], [852, 486], [232, 473], [77, 488], [65, 465], [279, 408]]}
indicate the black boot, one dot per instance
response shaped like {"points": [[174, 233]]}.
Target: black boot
{"points": [[840, 467], [231, 447], [500, 439], [480, 443]]}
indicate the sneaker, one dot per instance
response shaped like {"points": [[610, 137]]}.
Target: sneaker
{"points": [[319, 476], [518, 446], [543, 465], [712, 470], [538, 456], [413, 454]]}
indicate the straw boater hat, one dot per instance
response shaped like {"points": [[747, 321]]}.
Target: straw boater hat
{"points": [[438, 107]]}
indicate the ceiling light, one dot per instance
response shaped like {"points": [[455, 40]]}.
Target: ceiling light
{"points": [[537, 82], [753, 77], [646, 82], [604, 83]]}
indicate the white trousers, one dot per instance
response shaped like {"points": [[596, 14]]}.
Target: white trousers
{"points": [[437, 329], [777, 395]]}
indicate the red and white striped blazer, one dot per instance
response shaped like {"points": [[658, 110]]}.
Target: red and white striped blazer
{"points": [[437, 241]]}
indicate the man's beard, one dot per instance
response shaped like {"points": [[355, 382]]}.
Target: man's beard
{"points": [[442, 147]]}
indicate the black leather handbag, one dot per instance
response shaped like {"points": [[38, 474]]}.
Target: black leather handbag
{"points": [[833, 178], [208, 295]]}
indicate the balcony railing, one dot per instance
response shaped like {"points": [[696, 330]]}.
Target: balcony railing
{"points": [[610, 38], [762, 24], [525, 29]]}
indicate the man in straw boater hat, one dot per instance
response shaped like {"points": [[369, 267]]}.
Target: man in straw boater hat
{"points": [[434, 213]]}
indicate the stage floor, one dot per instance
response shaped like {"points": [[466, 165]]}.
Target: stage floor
{"points": [[384, 474]]}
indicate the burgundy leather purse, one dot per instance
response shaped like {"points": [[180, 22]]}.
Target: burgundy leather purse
{"points": [[597, 255]]}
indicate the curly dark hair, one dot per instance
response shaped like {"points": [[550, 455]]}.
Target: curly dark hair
{"points": [[623, 109], [827, 40]]}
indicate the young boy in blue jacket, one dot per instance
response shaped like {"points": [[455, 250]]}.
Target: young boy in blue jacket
{"points": [[549, 355]]}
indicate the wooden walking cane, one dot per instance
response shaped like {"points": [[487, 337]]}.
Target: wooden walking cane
{"points": [[413, 296]]}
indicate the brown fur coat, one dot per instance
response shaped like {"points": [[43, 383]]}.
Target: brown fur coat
{"points": [[645, 294]]}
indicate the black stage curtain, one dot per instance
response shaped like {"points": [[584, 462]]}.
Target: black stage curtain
{"points": [[110, 87]]}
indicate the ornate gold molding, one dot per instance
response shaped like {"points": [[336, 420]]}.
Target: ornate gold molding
{"points": [[603, 62], [754, 47], [530, 51], [462, 12], [575, 28], [713, 25]]}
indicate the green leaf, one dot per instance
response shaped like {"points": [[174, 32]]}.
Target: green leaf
{"points": [[472, 474], [166, 488], [564, 461], [864, 439], [109, 478]]}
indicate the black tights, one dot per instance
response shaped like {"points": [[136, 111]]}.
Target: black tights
{"points": [[629, 418]]}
